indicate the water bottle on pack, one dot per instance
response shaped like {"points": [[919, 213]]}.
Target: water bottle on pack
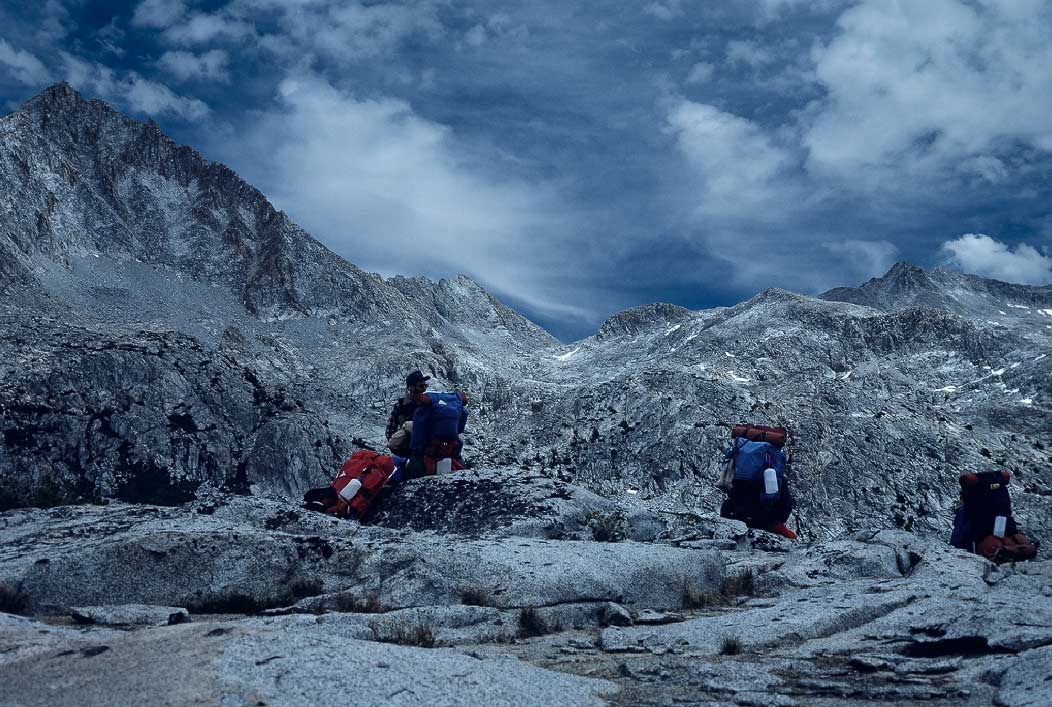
{"points": [[999, 526], [350, 490], [770, 481], [444, 466]]}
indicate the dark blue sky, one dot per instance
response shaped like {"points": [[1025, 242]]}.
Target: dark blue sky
{"points": [[581, 157]]}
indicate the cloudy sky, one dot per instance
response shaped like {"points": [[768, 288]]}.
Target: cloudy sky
{"points": [[578, 157]]}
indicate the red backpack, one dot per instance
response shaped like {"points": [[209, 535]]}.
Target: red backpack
{"points": [[437, 451], [355, 488], [984, 523]]}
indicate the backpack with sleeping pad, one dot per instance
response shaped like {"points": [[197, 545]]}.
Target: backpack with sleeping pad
{"points": [[984, 523], [358, 485], [754, 479]]}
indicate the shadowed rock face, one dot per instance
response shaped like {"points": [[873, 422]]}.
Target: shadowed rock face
{"points": [[279, 357], [144, 418]]}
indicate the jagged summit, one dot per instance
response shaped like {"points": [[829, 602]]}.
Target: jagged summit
{"points": [[85, 182], [905, 285], [60, 94]]}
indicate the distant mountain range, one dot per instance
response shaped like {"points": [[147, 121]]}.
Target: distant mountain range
{"points": [[164, 326]]}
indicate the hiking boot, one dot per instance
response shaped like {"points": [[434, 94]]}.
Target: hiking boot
{"points": [[781, 529]]}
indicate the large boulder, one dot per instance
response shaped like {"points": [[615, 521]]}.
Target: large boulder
{"points": [[243, 554]]}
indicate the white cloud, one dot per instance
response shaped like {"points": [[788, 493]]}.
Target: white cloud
{"points": [[737, 163], [859, 259], [158, 13], [202, 28], [344, 31], [772, 10], [55, 24], [982, 255], [396, 193], [986, 167], [23, 67], [701, 72], [918, 87], [186, 66], [749, 53], [667, 10], [130, 90], [476, 36]]}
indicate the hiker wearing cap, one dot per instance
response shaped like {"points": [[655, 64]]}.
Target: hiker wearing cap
{"points": [[435, 446], [400, 423]]}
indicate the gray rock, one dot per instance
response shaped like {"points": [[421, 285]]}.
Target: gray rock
{"points": [[1028, 682], [616, 615], [649, 617], [252, 554], [130, 615], [276, 661], [494, 502], [810, 614]]}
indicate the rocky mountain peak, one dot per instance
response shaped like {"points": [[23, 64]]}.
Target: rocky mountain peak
{"points": [[637, 319], [904, 285], [970, 296], [906, 276], [57, 96]]}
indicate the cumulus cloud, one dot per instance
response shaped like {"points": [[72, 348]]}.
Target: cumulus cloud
{"points": [[919, 87], [22, 66], [982, 255], [130, 90], [158, 13], [186, 66], [394, 192], [737, 162]]}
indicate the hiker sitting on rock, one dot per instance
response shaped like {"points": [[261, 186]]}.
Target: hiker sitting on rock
{"points": [[435, 444], [400, 423]]}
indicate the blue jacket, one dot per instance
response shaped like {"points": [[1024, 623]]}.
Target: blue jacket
{"points": [[444, 419]]}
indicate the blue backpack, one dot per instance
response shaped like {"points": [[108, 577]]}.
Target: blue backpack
{"points": [[751, 460], [443, 419]]}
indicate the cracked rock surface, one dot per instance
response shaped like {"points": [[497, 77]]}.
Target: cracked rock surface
{"points": [[278, 598]]}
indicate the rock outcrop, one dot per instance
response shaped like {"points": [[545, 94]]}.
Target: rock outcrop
{"points": [[291, 607]]}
